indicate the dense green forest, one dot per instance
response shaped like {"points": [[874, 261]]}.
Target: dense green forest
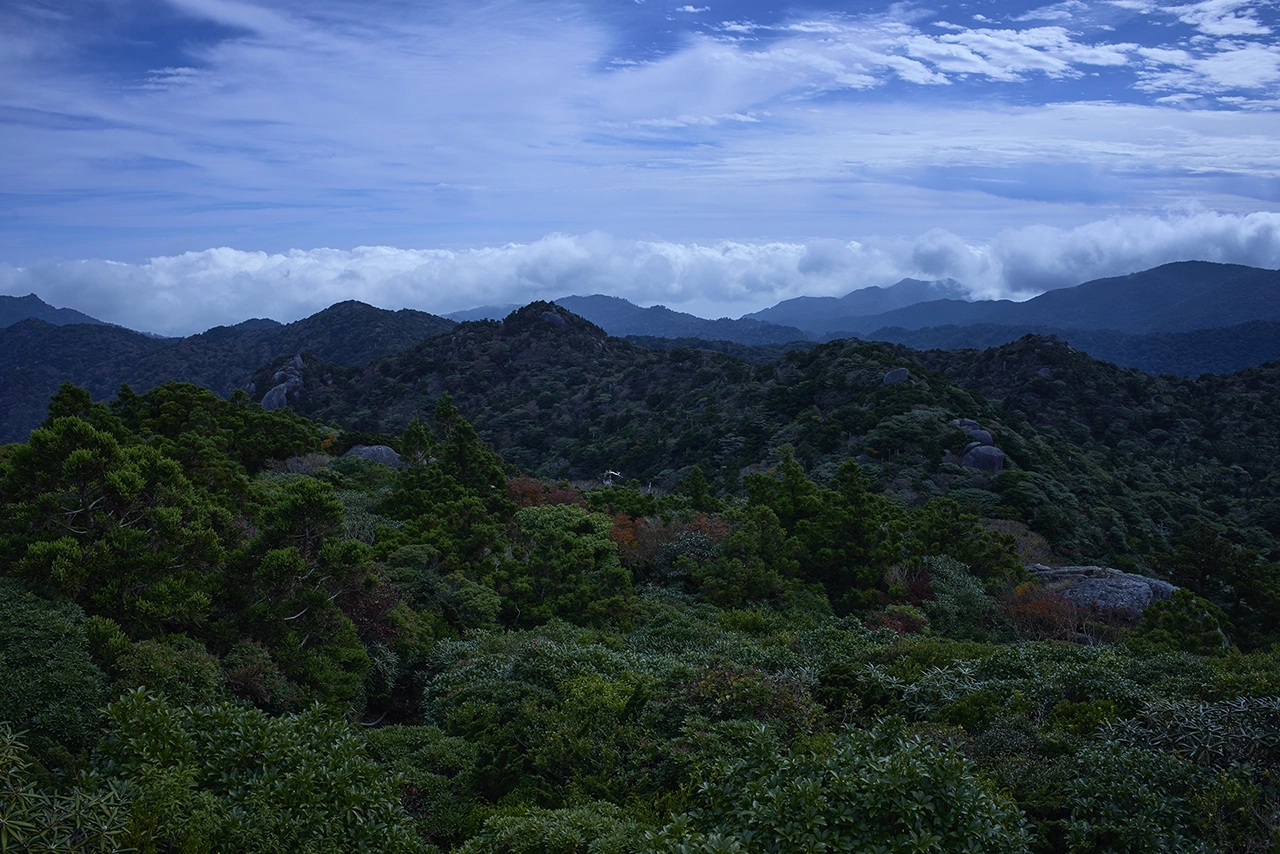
{"points": [[1109, 465], [814, 633]]}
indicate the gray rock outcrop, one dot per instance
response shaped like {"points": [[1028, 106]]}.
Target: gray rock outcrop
{"points": [[375, 453], [285, 381], [984, 458], [1096, 586], [982, 437], [897, 375], [980, 453]]}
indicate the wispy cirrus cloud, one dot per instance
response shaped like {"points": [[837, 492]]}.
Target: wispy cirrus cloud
{"points": [[133, 132]]}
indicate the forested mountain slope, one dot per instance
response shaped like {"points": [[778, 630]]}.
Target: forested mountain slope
{"points": [[36, 357], [39, 358], [1109, 465], [559, 397], [1199, 351]]}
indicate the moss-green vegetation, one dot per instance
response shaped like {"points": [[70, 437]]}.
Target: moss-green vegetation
{"points": [[216, 637]]}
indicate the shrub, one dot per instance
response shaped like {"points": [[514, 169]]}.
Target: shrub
{"points": [[85, 818], [1185, 623], [1133, 801], [875, 790], [960, 606], [230, 779], [1039, 614], [49, 686], [596, 828]]}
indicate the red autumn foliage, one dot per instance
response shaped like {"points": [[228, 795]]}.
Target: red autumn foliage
{"points": [[640, 540], [1040, 614], [898, 621], [531, 492]]}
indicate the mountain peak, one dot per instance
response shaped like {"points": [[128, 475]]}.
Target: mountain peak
{"points": [[542, 317], [14, 309]]}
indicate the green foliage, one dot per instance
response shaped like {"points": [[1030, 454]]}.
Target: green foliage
{"points": [[118, 528], [543, 668], [216, 440], [1132, 801], [960, 606], [51, 689], [177, 668], [436, 774], [224, 778], [568, 568], [89, 817], [845, 538], [1185, 623], [875, 790], [252, 675], [754, 564], [596, 828]]}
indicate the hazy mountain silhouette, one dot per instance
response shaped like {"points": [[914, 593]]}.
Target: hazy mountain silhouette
{"points": [[14, 309], [1175, 297], [823, 315]]}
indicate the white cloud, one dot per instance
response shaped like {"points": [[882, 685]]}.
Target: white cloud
{"points": [[1223, 17], [1230, 67], [1005, 54], [1064, 11], [186, 293]]}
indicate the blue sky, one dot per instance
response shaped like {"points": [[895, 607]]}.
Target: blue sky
{"points": [[171, 164]]}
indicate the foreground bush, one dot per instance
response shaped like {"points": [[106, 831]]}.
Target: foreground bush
{"points": [[229, 779], [879, 790]]}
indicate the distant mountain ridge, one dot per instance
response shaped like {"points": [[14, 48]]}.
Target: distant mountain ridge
{"points": [[15, 309], [1177, 297], [825, 315], [1221, 350], [1184, 318], [37, 356], [621, 318]]}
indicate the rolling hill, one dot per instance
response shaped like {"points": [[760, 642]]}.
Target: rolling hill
{"points": [[38, 356]]}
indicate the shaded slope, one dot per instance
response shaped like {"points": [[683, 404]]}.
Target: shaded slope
{"points": [[36, 357], [1200, 351], [222, 359]]}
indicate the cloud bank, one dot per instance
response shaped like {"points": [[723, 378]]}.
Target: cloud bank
{"points": [[182, 294]]}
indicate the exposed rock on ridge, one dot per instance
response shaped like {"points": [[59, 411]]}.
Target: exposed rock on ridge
{"points": [[1096, 586]]}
